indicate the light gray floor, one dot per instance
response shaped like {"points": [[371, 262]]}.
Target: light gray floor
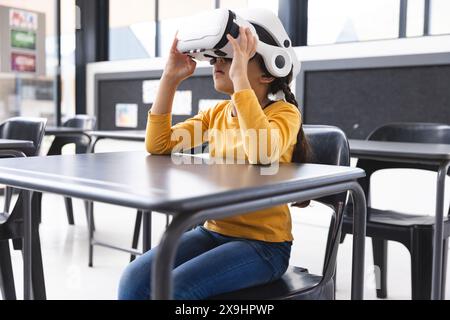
{"points": [[65, 248]]}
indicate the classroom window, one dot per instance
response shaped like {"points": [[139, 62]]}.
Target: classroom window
{"points": [[415, 18], [171, 13], [131, 29], [331, 21], [68, 26], [237, 4], [440, 17], [27, 84]]}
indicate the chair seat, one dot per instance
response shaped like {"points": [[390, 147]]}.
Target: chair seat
{"points": [[296, 283], [396, 218]]}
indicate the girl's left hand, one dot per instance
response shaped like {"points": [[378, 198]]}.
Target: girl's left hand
{"points": [[243, 51]]}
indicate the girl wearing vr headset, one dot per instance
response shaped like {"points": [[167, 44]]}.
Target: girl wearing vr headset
{"points": [[240, 251]]}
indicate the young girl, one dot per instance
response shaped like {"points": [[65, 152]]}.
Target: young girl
{"points": [[239, 251]]}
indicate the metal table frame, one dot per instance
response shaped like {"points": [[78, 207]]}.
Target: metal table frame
{"points": [[123, 135], [189, 210], [165, 256], [442, 161]]}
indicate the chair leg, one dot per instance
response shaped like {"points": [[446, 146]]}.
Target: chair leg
{"points": [[421, 264], [38, 269], [137, 229], [6, 272], [69, 210], [444, 267], [342, 239], [17, 244], [380, 252]]}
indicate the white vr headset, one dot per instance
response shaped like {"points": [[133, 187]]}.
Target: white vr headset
{"points": [[203, 37]]}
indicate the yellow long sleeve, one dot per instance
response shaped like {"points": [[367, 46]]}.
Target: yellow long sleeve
{"points": [[256, 135], [162, 138], [266, 137]]}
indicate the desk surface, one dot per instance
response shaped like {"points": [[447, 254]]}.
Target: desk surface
{"points": [[400, 150], [15, 144], [135, 135], [140, 180], [63, 130]]}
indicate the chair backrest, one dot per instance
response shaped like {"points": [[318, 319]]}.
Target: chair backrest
{"points": [[329, 145], [24, 128], [81, 121], [419, 132]]}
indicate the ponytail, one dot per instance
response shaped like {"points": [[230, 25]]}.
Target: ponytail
{"points": [[302, 152]]}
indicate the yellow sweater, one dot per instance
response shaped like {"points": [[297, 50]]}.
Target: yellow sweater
{"points": [[281, 121]]}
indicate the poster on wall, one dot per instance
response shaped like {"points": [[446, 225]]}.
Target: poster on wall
{"points": [[126, 115], [182, 102], [23, 19], [149, 90], [23, 39], [23, 62]]}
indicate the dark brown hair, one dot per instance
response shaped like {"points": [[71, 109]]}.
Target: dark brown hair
{"points": [[302, 151]]}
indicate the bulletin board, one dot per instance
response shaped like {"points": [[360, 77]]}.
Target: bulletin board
{"points": [[361, 95], [122, 100]]}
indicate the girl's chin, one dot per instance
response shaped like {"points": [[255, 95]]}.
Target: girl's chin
{"points": [[223, 89]]}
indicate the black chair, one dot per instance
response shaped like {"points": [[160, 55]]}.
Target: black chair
{"points": [[11, 224], [415, 232], [329, 146], [79, 121]]}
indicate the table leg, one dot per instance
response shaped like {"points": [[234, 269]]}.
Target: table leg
{"points": [[90, 216], [27, 247], [8, 196], [436, 284], [359, 237], [147, 231]]}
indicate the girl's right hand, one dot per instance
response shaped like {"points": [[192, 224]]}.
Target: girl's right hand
{"points": [[179, 66]]}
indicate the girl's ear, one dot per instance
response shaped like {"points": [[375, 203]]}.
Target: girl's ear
{"points": [[266, 78]]}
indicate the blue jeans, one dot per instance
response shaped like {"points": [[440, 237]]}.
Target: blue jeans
{"points": [[207, 264]]}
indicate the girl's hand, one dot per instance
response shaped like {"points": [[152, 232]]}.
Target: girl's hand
{"points": [[243, 51], [179, 66]]}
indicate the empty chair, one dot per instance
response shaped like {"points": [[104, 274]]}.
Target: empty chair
{"points": [[23, 128], [415, 232], [79, 121], [329, 146], [11, 224]]}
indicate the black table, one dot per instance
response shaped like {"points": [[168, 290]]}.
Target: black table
{"points": [[126, 135], [419, 153], [67, 132], [190, 193]]}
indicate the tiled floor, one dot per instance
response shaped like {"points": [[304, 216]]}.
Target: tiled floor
{"points": [[65, 248]]}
